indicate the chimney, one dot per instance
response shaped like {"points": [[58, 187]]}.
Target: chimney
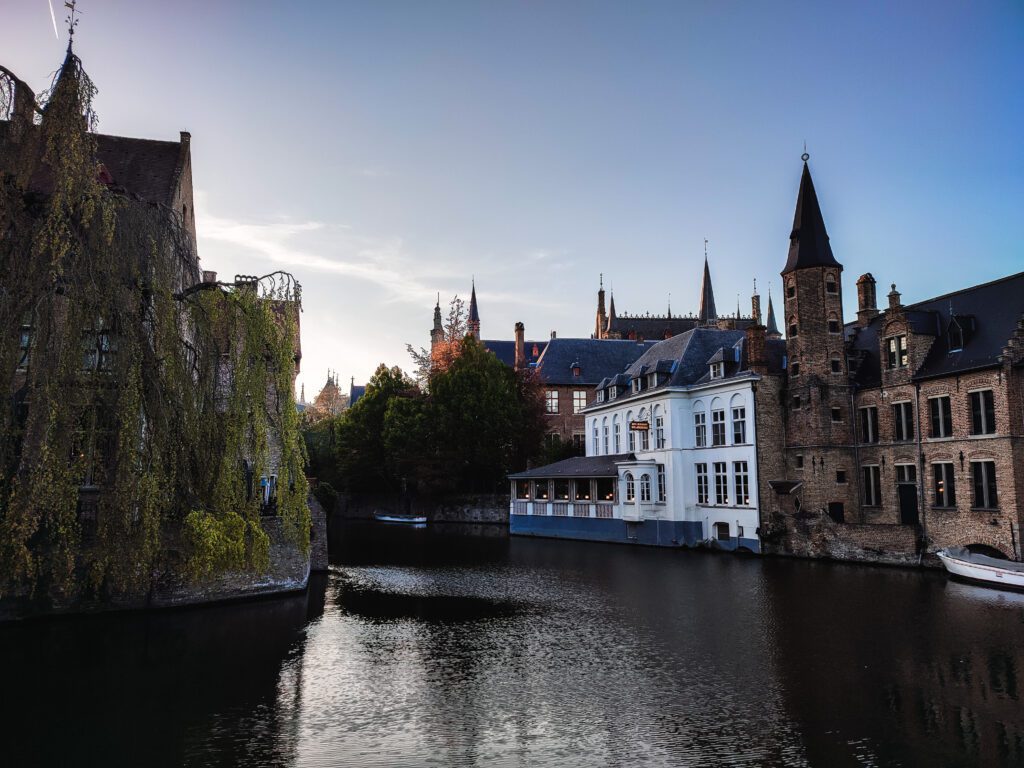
{"points": [[867, 306], [757, 358], [209, 276], [520, 360], [553, 334], [894, 298], [755, 305]]}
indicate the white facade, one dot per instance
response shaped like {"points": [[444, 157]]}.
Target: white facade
{"points": [[702, 437]]}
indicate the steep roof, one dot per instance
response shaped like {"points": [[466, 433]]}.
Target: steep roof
{"points": [[992, 311], [506, 350], [578, 466], [808, 242], [146, 168], [597, 359], [691, 351]]}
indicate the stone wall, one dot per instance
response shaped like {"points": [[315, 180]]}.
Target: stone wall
{"points": [[476, 508], [818, 536], [288, 572]]}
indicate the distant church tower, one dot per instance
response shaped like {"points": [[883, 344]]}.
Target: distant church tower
{"points": [[437, 332], [473, 324], [601, 320]]}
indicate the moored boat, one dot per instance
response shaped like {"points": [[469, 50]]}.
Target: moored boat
{"points": [[960, 561], [413, 519]]}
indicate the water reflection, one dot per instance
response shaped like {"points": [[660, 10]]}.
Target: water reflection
{"points": [[455, 646]]}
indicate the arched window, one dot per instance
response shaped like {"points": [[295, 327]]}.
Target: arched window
{"points": [[604, 433], [739, 419], [630, 488], [830, 284], [700, 425], [616, 434], [597, 440], [631, 440], [645, 487], [659, 427], [645, 434]]}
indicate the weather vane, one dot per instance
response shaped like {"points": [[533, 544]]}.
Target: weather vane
{"points": [[72, 20], [805, 157], [705, 249]]}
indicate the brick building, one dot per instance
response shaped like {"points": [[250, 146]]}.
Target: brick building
{"points": [[900, 432]]}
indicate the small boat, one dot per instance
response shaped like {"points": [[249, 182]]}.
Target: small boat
{"points": [[959, 561], [413, 519]]}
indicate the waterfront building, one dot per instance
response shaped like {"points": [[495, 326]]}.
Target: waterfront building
{"points": [[901, 431], [671, 450]]}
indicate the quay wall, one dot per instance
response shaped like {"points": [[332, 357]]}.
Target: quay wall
{"points": [[289, 571], [820, 537]]}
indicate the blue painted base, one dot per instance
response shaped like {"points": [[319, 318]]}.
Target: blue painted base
{"points": [[656, 533]]}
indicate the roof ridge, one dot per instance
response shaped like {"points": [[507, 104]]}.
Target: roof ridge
{"points": [[965, 290]]}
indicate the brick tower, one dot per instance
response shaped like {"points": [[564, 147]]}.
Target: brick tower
{"points": [[819, 421], [437, 332]]}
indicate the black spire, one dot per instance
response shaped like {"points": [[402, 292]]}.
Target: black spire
{"points": [[808, 242], [474, 313], [707, 312], [773, 328]]}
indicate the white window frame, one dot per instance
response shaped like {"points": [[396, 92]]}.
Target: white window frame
{"points": [[739, 419], [579, 400]]}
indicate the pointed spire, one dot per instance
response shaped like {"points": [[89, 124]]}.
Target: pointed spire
{"points": [[473, 323], [437, 315], [808, 242], [707, 313], [600, 319], [772, 327], [302, 397], [474, 312], [611, 312]]}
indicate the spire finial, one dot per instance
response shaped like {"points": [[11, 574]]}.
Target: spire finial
{"points": [[705, 249], [602, 281], [670, 304], [805, 157], [755, 285], [72, 20]]}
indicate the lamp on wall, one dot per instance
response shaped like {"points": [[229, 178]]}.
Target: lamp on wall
{"points": [[961, 460]]}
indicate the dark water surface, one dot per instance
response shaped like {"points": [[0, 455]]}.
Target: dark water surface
{"points": [[451, 646]]}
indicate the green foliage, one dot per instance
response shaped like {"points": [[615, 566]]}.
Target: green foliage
{"points": [[136, 386], [479, 421]]}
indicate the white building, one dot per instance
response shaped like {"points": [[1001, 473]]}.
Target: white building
{"points": [[671, 454]]}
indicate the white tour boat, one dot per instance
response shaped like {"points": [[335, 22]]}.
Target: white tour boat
{"points": [[413, 519], [1002, 573]]}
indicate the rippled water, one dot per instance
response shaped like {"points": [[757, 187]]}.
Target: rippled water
{"points": [[452, 646]]}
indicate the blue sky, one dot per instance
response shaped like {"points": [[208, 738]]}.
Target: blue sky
{"points": [[387, 151]]}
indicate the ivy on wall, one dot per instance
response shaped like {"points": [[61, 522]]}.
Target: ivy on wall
{"points": [[143, 406]]}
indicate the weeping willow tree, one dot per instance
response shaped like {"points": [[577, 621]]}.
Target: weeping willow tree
{"points": [[142, 402]]}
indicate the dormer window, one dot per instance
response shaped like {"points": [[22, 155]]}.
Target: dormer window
{"points": [[637, 384], [600, 396], [897, 351], [613, 392], [577, 371], [652, 380], [956, 335], [717, 370]]}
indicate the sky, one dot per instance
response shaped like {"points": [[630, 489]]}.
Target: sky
{"points": [[387, 152]]}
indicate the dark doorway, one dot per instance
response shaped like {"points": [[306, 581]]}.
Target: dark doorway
{"points": [[908, 503], [836, 511]]}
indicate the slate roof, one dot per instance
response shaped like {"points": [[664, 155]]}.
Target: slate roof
{"points": [[597, 358], [656, 328], [995, 307], [808, 242], [691, 350], [142, 167], [506, 350], [577, 466], [355, 392]]}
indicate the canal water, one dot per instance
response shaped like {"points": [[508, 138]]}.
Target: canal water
{"points": [[458, 646]]}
